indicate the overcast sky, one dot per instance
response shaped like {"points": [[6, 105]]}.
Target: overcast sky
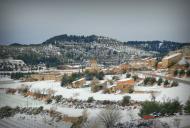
{"points": [[34, 21]]}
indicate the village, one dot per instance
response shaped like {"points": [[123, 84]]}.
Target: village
{"points": [[94, 87]]}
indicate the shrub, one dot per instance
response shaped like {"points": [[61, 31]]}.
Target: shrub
{"points": [[188, 73], [37, 94], [100, 75], [48, 100], [149, 107], [160, 81], [106, 90], [152, 80], [36, 111], [182, 72], [146, 80], [128, 75], [166, 82], [91, 75], [174, 84], [66, 79], [95, 88], [109, 117], [170, 107], [131, 90], [115, 78], [175, 73], [23, 89], [126, 100], [90, 99], [187, 107], [135, 77], [6, 112], [58, 98], [11, 91], [149, 80]]}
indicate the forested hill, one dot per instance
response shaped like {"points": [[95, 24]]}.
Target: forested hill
{"points": [[72, 49], [161, 47], [73, 39], [158, 46]]}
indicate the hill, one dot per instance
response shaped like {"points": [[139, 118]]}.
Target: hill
{"points": [[72, 49]]}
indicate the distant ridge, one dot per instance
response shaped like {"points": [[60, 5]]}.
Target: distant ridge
{"points": [[16, 44], [71, 38]]}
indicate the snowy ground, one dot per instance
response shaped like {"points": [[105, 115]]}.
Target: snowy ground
{"points": [[182, 92], [31, 121], [184, 121]]}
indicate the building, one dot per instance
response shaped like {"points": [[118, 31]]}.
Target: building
{"points": [[151, 62], [170, 60], [12, 61], [123, 85], [78, 83], [45, 76], [93, 66], [12, 65]]}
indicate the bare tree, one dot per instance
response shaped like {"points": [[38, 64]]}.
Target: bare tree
{"points": [[153, 95], [109, 117]]}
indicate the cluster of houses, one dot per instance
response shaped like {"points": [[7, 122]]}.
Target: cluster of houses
{"points": [[11, 64]]}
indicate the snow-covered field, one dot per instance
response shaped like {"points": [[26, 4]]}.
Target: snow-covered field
{"points": [[31, 121], [182, 92]]}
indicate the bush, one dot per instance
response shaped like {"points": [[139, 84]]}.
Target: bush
{"points": [[128, 75], [90, 99], [175, 73], [187, 107], [66, 79], [106, 90], [91, 75], [182, 72], [149, 80], [160, 81], [115, 78], [146, 80], [170, 107], [152, 80], [100, 75], [23, 89], [188, 73], [95, 88], [37, 94], [48, 100], [6, 112], [131, 90], [11, 91], [36, 111], [135, 77], [58, 98], [149, 107], [166, 82], [174, 84], [125, 100]]}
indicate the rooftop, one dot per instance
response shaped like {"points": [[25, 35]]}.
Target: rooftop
{"points": [[171, 56]]}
